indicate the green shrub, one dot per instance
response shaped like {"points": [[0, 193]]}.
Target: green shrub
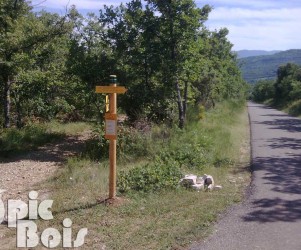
{"points": [[131, 143], [263, 90], [97, 147], [202, 112], [295, 108], [150, 177], [186, 155]]}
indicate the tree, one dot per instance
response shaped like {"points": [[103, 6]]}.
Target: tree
{"points": [[284, 91], [10, 12], [21, 33], [284, 83], [263, 90], [90, 60], [179, 23], [152, 46], [132, 33]]}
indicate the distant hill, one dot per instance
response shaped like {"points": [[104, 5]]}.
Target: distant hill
{"points": [[255, 68], [248, 53]]}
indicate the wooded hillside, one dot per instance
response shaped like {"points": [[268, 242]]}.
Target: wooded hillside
{"points": [[265, 67]]}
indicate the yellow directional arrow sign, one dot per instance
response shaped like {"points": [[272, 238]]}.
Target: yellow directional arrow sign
{"points": [[110, 89]]}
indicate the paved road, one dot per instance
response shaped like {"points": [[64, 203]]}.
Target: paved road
{"points": [[270, 218]]}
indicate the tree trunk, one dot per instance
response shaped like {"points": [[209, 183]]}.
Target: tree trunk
{"points": [[180, 106], [185, 99], [6, 103]]}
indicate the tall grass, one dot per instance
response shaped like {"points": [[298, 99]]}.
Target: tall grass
{"points": [[294, 108], [14, 140], [87, 181], [30, 137], [71, 128]]}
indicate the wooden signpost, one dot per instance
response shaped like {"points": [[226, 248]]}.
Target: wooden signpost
{"points": [[111, 126]]}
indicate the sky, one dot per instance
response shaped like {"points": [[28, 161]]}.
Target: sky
{"points": [[252, 24]]}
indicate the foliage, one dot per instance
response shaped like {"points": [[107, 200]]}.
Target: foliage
{"points": [[287, 85], [285, 92], [134, 143], [263, 90], [201, 144], [151, 177], [167, 58], [131, 143], [96, 147], [32, 51], [160, 50], [188, 155], [294, 108]]}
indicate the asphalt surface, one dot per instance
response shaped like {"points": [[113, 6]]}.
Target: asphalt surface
{"points": [[270, 218]]}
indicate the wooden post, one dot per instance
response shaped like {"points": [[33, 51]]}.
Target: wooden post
{"points": [[113, 144], [111, 127]]}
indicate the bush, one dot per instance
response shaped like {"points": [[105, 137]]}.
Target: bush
{"points": [[295, 108], [150, 177], [187, 155], [97, 147], [131, 143], [263, 90]]}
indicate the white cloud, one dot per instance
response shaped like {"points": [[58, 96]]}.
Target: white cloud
{"points": [[253, 24], [268, 37], [244, 14], [252, 4], [269, 29]]}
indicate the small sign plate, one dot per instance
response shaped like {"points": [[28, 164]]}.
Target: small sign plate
{"points": [[111, 126]]}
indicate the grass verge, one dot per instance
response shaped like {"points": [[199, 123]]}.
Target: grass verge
{"points": [[294, 108], [14, 141], [167, 218]]}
